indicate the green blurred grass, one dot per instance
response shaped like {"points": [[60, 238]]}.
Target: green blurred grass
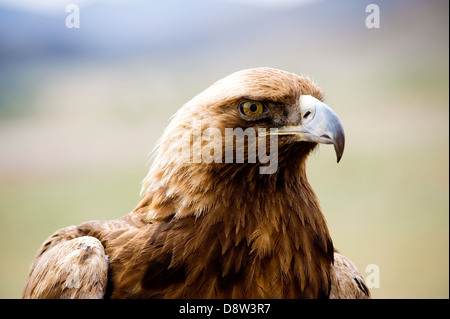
{"points": [[33, 209], [390, 213]]}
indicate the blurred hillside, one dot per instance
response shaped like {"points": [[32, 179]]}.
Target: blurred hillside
{"points": [[80, 109], [149, 26]]}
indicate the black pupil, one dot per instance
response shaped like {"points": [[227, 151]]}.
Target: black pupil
{"points": [[253, 108]]}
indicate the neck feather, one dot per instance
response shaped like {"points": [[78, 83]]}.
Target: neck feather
{"points": [[274, 218]]}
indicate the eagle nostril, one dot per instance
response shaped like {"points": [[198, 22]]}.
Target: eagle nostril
{"points": [[308, 113]]}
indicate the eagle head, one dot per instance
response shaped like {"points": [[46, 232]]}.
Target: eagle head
{"points": [[257, 106]]}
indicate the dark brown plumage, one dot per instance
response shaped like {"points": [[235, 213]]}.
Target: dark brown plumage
{"points": [[215, 230]]}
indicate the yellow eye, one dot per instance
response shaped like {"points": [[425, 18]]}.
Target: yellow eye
{"points": [[251, 108]]}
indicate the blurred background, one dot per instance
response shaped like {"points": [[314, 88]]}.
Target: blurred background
{"points": [[80, 109]]}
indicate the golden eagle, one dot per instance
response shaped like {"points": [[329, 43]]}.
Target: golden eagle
{"points": [[211, 224]]}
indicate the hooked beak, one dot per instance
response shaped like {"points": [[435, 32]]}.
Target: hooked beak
{"points": [[320, 124]]}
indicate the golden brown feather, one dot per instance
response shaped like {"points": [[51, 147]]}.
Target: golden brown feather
{"points": [[68, 266]]}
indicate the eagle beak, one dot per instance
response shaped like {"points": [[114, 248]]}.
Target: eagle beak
{"points": [[320, 124]]}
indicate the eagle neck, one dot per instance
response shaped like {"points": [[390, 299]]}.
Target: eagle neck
{"points": [[248, 225]]}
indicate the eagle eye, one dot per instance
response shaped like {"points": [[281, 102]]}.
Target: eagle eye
{"points": [[251, 108]]}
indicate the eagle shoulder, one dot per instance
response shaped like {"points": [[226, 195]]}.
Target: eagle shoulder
{"points": [[68, 267], [347, 283]]}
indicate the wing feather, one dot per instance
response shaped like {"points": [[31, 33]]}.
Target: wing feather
{"points": [[347, 282], [68, 269]]}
